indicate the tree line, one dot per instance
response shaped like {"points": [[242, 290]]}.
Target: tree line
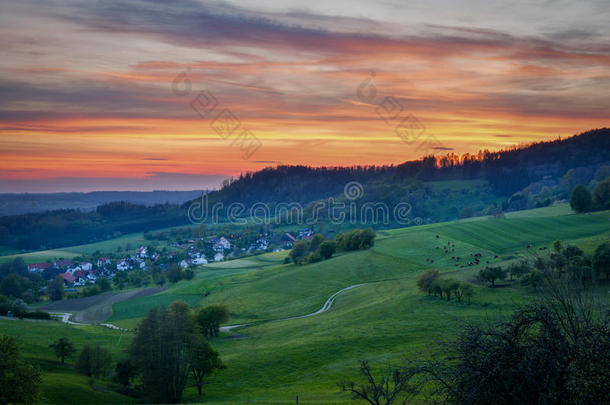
{"points": [[319, 248]]}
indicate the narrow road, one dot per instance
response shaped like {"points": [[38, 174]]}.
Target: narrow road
{"points": [[65, 316], [325, 307]]}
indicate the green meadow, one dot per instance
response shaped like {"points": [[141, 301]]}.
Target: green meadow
{"points": [[385, 320]]}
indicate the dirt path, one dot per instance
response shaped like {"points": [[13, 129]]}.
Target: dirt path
{"points": [[95, 309], [325, 307]]}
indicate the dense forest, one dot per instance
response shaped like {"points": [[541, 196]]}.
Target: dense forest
{"points": [[436, 188]]}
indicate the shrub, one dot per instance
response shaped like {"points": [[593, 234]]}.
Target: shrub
{"points": [[581, 200]]}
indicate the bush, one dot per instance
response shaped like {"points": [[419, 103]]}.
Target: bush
{"points": [[601, 195], [327, 249], [581, 200], [356, 239], [37, 315], [94, 361]]}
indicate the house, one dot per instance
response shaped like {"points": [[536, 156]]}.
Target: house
{"points": [[68, 278], [194, 253], [142, 265], [86, 266], [80, 281], [154, 256], [219, 257], [38, 267], [305, 233], [122, 265], [80, 273], [200, 260], [288, 240], [308, 238], [220, 244], [261, 244], [103, 262], [184, 264], [62, 264], [142, 252]]}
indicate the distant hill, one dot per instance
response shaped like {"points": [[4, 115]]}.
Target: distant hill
{"points": [[435, 189], [23, 203], [507, 171]]}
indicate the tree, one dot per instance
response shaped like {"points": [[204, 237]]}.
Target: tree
{"points": [[104, 284], [125, 372], [393, 385], [367, 238], [601, 259], [581, 200], [210, 318], [299, 250], [316, 241], [11, 286], [94, 361], [204, 361], [55, 290], [448, 286], [162, 351], [189, 274], [533, 278], [174, 273], [63, 348], [491, 274], [467, 291], [19, 381], [553, 351], [518, 269], [424, 281], [601, 194], [327, 249]]}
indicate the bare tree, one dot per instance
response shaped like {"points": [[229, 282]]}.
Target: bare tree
{"points": [[394, 384]]}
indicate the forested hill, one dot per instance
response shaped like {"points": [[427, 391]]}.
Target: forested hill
{"points": [[507, 171], [437, 189]]}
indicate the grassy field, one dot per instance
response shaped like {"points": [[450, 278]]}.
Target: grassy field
{"points": [[61, 384], [383, 321]]}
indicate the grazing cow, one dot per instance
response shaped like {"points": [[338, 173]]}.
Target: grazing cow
{"points": [[496, 256]]}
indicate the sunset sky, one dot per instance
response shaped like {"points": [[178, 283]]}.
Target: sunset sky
{"points": [[93, 92]]}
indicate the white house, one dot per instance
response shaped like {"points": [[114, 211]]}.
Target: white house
{"points": [[219, 257], [142, 265], [86, 266], [142, 252], [200, 260], [102, 261], [221, 244], [122, 265], [184, 264]]}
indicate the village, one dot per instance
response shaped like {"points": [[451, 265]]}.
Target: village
{"points": [[184, 254]]}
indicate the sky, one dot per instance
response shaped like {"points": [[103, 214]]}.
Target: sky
{"points": [[142, 95]]}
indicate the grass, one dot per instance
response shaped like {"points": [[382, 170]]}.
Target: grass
{"points": [[383, 321], [61, 384]]}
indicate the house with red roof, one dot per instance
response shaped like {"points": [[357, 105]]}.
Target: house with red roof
{"points": [[63, 263], [68, 278], [38, 267]]}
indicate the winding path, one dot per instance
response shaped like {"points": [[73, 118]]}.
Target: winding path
{"points": [[325, 307], [65, 316]]}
